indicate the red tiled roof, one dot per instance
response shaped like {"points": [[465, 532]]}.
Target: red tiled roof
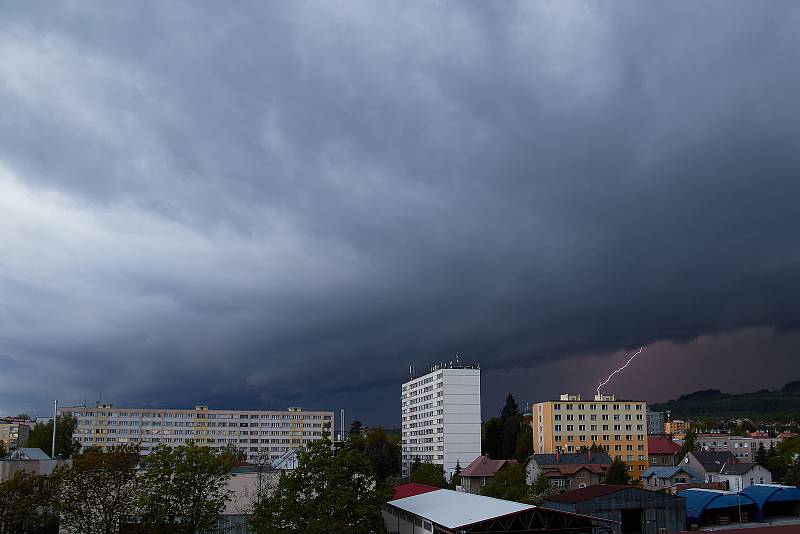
{"points": [[584, 494], [661, 445], [409, 490], [483, 466]]}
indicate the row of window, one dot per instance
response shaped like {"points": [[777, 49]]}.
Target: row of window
{"points": [[171, 415], [593, 417], [569, 406]]}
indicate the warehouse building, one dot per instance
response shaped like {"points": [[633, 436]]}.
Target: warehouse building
{"points": [[453, 512], [632, 509]]}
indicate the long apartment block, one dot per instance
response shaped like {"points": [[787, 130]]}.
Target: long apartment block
{"points": [[257, 433], [571, 424], [441, 417]]}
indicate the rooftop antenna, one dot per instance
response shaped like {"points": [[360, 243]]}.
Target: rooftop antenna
{"points": [[411, 371]]}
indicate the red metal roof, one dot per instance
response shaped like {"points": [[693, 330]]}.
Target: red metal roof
{"points": [[483, 466], [409, 490], [661, 445], [584, 494]]}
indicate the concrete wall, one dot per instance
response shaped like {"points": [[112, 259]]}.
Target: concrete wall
{"points": [[462, 417], [40, 467], [398, 522]]}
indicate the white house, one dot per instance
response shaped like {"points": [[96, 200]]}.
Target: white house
{"points": [[739, 476]]}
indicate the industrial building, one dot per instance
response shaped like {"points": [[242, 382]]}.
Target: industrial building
{"points": [[756, 503], [444, 511], [441, 416], [571, 424], [633, 510], [259, 434]]}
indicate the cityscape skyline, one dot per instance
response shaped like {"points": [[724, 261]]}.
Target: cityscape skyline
{"points": [[276, 206]]}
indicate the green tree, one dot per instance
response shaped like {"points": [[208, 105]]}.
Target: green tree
{"points": [[3, 450], [456, 480], [26, 505], [541, 489], [511, 429], [183, 490], [355, 437], [597, 448], [415, 464], [524, 447], [617, 473], [327, 492], [761, 455], [510, 409], [509, 484], [689, 443], [429, 474], [384, 453], [41, 437], [492, 433], [97, 493], [792, 476]]}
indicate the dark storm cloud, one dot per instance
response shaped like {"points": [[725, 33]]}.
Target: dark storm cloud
{"points": [[289, 202]]}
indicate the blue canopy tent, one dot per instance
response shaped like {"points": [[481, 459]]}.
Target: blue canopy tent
{"points": [[772, 496], [698, 501]]}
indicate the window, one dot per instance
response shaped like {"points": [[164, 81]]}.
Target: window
{"points": [[483, 481]]}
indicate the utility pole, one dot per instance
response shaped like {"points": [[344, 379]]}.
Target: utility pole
{"points": [[55, 417], [739, 501]]}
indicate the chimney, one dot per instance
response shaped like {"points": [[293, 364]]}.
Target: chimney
{"points": [[558, 455]]}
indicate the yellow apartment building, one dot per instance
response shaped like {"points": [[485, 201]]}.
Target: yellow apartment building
{"points": [[571, 423]]}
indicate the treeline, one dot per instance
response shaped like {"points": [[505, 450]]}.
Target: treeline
{"points": [[783, 461], [180, 490], [782, 405], [507, 436], [184, 490]]}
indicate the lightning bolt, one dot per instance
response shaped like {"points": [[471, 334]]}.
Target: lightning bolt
{"points": [[607, 380]]}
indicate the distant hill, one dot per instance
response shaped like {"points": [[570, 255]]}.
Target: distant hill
{"points": [[779, 405]]}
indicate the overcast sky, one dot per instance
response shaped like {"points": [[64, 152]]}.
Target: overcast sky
{"points": [[258, 205]]}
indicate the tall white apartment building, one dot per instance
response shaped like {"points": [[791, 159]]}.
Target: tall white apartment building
{"points": [[442, 417], [257, 433]]}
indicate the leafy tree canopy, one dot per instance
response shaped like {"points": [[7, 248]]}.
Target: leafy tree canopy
{"points": [[541, 489], [98, 491], [509, 484], [617, 473], [184, 489], [41, 437], [26, 505], [510, 409], [429, 474], [384, 453], [327, 492]]}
